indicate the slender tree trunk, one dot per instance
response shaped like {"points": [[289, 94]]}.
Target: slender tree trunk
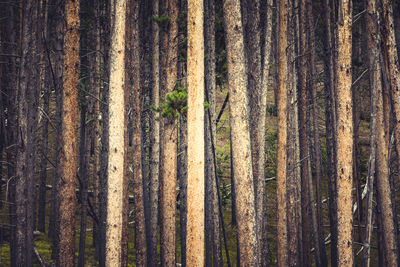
{"points": [[239, 123], [69, 148], [28, 102], [305, 189], [344, 134], [195, 189], [282, 248], [116, 118], [168, 143], [155, 141]]}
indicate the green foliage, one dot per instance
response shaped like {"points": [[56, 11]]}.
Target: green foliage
{"points": [[162, 20], [174, 104]]}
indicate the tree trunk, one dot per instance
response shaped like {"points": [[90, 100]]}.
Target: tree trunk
{"points": [[305, 189], [155, 141], [282, 247], [344, 133], [116, 118], [69, 148], [168, 145], [239, 123], [195, 189], [257, 114], [28, 102]]}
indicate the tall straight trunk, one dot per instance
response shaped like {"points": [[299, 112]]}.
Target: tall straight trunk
{"points": [[155, 141], [195, 120], [168, 145], [212, 227], [257, 114], [282, 247], [115, 168], [373, 44], [305, 194], [317, 152], [344, 133], [239, 123], [28, 101], [69, 125]]}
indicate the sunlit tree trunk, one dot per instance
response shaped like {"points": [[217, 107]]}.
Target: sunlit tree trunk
{"points": [[344, 133], [116, 136], [195, 186]]}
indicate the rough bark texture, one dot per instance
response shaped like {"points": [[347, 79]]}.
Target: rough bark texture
{"points": [[344, 133], [257, 110], [28, 101], [168, 143], [282, 135], [116, 137], [155, 141], [69, 149], [239, 123], [195, 189]]}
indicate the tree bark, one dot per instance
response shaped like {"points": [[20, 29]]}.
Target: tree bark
{"points": [[239, 123], [28, 103], [168, 144], [282, 247], [69, 147], [155, 141], [116, 136], [344, 133], [195, 189]]}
